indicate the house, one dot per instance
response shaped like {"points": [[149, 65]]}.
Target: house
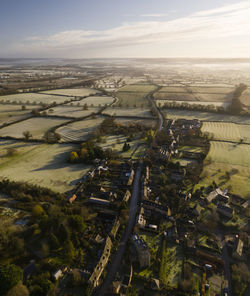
{"points": [[95, 276], [127, 196], [58, 274], [225, 211], [142, 251], [218, 195], [140, 218], [238, 248], [99, 201]]}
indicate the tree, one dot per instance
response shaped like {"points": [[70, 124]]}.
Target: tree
{"points": [[37, 211], [73, 158], [69, 251], [76, 222], [18, 290], [10, 275], [27, 135]]}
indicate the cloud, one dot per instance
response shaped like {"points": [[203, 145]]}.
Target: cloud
{"points": [[155, 15], [229, 21]]}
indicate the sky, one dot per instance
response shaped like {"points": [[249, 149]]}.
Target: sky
{"points": [[124, 29]]}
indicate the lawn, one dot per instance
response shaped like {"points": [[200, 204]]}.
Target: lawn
{"points": [[41, 164], [73, 92], [36, 126], [34, 98], [227, 131], [205, 116], [79, 130], [171, 265], [232, 158]]}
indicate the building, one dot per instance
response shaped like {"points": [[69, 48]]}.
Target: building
{"points": [[142, 251], [95, 276]]}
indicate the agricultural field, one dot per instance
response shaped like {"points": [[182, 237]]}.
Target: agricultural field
{"points": [[174, 96], [211, 89], [216, 98], [226, 131], [194, 149], [94, 101], [245, 98], [36, 126], [11, 113], [127, 121], [173, 89], [134, 95], [72, 92], [204, 116], [34, 98], [79, 130], [141, 88], [161, 103], [232, 158], [71, 111], [40, 164], [137, 112]]}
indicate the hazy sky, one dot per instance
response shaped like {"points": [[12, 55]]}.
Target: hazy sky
{"points": [[124, 28]]}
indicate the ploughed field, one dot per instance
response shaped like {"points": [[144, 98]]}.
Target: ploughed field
{"points": [[40, 164], [79, 130]]}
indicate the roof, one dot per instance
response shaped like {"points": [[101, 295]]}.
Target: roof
{"points": [[224, 208]]}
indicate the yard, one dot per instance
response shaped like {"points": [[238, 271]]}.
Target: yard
{"points": [[40, 164]]}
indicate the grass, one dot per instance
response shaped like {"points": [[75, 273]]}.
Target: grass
{"points": [[227, 157], [34, 98], [227, 131], [41, 164], [74, 92], [205, 116], [36, 126], [171, 265], [80, 130]]}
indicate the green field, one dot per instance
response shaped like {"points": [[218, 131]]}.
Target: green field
{"points": [[40, 164], [34, 98], [36, 126], [204, 116], [227, 131], [79, 130], [232, 158], [73, 92]]}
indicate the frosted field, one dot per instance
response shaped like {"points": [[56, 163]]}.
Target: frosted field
{"points": [[245, 97], [128, 112], [73, 92], [144, 88], [94, 101], [34, 98], [11, 113], [204, 116], [41, 164], [216, 104], [174, 96], [146, 122], [227, 131], [36, 126], [173, 89], [70, 111], [80, 130]]}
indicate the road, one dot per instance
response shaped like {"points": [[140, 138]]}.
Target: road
{"points": [[116, 260]]}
